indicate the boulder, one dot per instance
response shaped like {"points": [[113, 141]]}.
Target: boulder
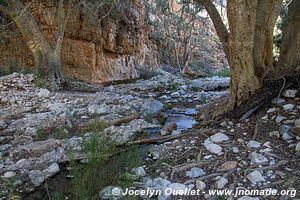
{"points": [[152, 108]]}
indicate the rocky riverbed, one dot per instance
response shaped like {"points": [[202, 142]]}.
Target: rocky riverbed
{"points": [[261, 152], [37, 125]]}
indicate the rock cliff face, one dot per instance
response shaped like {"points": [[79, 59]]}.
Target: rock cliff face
{"points": [[107, 51]]}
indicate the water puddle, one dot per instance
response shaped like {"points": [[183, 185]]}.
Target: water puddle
{"points": [[182, 121]]}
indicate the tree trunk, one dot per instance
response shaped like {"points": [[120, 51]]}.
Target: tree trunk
{"points": [[242, 19], [267, 14], [290, 48], [55, 74], [249, 43]]}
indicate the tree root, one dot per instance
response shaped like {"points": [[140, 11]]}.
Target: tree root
{"points": [[212, 113]]}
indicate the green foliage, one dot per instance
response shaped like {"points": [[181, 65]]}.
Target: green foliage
{"points": [[161, 120], [147, 74], [162, 5], [60, 133], [94, 127], [10, 189], [173, 85], [41, 82], [148, 117], [168, 106], [223, 73], [41, 134], [277, 36], [105, 165], [58, 196]]}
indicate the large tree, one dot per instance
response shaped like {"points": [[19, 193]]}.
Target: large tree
{"points": [[290, 47], [46, 56], [248, 42]]}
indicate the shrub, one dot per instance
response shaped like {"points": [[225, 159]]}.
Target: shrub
{"points": [[223, 73], [105, 165]]}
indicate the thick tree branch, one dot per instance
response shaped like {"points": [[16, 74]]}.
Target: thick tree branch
{"points": [[218, 23]]}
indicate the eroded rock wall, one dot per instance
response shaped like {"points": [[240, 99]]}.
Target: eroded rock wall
{"points": [[93, 52]]}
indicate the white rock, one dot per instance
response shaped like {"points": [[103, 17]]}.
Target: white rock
{"points": [[255, 177], [152, 107], [271, 110], [279, 119], [288, 107], [52, 170], [257, 158], [96, 109], [278, 100], [208, 141], [207, 157], [298, 147], [139, 171], [9, 174], [200, 185], [253, 144], [219, 137], [175, 94], [213, 148], [43, 93], [160, 183], [3, 125], [111, 192], [177, 187], [221, 183], [290, 93], [36, 177], [274, 134], [235, 150], [195, 172], [176, 132], [297, 122]]}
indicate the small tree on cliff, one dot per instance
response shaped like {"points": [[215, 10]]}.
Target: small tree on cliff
{"points": [[248, 43], [46, 57]]}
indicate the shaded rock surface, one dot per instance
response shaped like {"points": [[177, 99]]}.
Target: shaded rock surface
{"points": [[116, 50]]}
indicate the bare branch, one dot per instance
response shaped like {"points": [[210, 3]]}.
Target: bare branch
{"points": [[5, 10], [218, 23]]}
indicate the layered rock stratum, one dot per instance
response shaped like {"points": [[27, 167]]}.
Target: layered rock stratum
{"points": [[94, 52]]}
